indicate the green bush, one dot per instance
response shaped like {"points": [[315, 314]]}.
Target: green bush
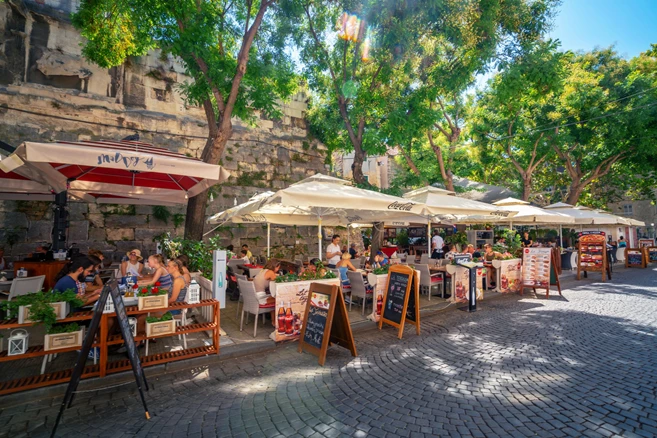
{"points": [[199, 253]]}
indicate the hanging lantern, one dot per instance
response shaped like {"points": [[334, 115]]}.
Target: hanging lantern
{"points": [[17, 342], [132, 322]]}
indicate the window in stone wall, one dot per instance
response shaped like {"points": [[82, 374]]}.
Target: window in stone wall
{"points": [[628, 210], [161, 95]]}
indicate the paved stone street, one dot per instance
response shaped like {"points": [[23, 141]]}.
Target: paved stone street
{"points": [[581, 365]]}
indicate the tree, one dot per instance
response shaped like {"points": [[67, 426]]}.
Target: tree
{"points": [[516, 102], [355, 65], [231, 49], [604, 121], [473, 36]]}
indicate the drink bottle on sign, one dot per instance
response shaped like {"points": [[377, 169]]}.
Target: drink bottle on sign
{"points": [[379, 304], [289, 319], [281, 319]]}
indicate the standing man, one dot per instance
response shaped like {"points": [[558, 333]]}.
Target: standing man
{"points": [[333, 252], [437, 244]]}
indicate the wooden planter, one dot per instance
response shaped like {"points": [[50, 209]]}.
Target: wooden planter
{"points": [[61, 310], [160, 328], [63, 340], [154, 302]]}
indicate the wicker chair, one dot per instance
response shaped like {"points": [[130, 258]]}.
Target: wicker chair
{"points": [[251, 304], [358, 289], [428, 280]]}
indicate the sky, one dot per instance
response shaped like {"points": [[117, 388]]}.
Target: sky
{"points": [[630, 25]]}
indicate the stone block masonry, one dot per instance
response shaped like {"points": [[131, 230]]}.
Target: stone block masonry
{"points": [[48, 92]]}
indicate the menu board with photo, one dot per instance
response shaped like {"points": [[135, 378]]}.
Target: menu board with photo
{"points": [[509, 275], [592, 251], [536, 267], [645, 243], [461, 283], [291, 300], [636, 257]]}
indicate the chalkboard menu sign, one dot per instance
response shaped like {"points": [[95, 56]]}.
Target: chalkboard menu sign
{"points": [[652, 254], [325, 322], [401, 299], [316, 319], [111, 288], [636, 257], [396, 296]]}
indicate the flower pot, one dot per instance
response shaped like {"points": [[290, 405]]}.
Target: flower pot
{"points": [[160, 328], [153, 302], [62, 309], [63, 340]]}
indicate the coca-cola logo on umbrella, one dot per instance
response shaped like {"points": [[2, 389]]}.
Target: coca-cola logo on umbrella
{"points": [[406, 206]]}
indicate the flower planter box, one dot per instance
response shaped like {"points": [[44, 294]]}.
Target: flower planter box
{"points": [[153, 302], [160, 328], [61, 310], [63, 340]]}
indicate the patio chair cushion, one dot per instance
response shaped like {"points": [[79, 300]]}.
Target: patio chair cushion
{"points": [[436, 280], [266, 306]]}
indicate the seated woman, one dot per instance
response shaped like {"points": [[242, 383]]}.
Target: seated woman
{"points": [[343, 266], [72, 277], [184, 260], [489, 256], [178, 290], [160, 273], [261, 283], [133, 265]]}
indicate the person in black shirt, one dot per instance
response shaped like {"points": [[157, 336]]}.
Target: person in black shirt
{"points": [[526, 241], [352, 250]]}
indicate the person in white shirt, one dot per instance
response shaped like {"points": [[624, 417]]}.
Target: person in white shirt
{"points": [[437, 246], [244, 256], [333, 252]]}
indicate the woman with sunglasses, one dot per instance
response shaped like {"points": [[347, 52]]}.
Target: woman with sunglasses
{"points": [[133, 266]]}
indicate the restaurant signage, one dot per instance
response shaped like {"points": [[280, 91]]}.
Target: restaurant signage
{"points": [[401, 206], [644, 243], [636, 257], [461, 282], [398, 305], [509, 275], [537, 263], [325, 322], [592, 254], [652, 254]]}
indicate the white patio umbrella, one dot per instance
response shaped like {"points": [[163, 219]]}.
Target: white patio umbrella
{"points": [[529, 214], [586, 216], [329, 199]]}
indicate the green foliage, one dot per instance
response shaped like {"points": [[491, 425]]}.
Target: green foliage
{"points": [[150, 290], [40, 310], [121, 210], [459, 238], [320, 274], [64, 328], [381, 271], [178, 219], [251, 179], [166, 317], [402, 238], [12, 237], [199, 252], [161, 213]]}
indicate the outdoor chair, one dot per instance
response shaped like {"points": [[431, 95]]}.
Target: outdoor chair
{"points": [[358, 289], [428, 280], [251, 304], [240, 301], [24, 286], [254, 271], [424, 259], [356, 263]]}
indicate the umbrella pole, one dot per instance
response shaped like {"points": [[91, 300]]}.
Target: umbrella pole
{"points": [[268, 238], [511, 225], [319, 235], [560, 236], [429, 238]]}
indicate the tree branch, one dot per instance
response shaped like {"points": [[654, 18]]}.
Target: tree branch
{"points": [[439, 156]]}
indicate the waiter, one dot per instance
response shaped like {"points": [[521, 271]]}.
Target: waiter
{"points": [[526, 241], [437, 244]]}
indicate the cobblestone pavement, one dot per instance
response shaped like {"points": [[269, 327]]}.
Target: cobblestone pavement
{"points": [[581, 365]]}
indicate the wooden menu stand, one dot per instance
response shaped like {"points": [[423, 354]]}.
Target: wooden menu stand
{"points": [[593, 244], [326, 314], [652, 254], [401, 299], [636, 257]]}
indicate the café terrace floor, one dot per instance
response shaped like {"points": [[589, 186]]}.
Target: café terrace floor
{"points": [[230, 325]]}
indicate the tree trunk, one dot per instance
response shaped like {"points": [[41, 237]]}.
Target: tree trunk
{"points": [[212, 152], [574, 193], [357, 166], [377, 239], [526, 188], [448, 178]]}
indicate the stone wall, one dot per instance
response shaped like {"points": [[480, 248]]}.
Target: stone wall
{"points": [[48, 92]]}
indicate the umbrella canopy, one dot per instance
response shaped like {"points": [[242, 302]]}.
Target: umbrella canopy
{"points": [[445, 202], [585, 215], [124, 169], [526, 213]]}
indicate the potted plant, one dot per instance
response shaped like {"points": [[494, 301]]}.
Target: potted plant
{"points": [[63, 336], [158, 326], [42, 307], [152, 297]]}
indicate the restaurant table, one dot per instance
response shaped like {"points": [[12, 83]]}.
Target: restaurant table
{"points": [[389, 250], [49, 269]]}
